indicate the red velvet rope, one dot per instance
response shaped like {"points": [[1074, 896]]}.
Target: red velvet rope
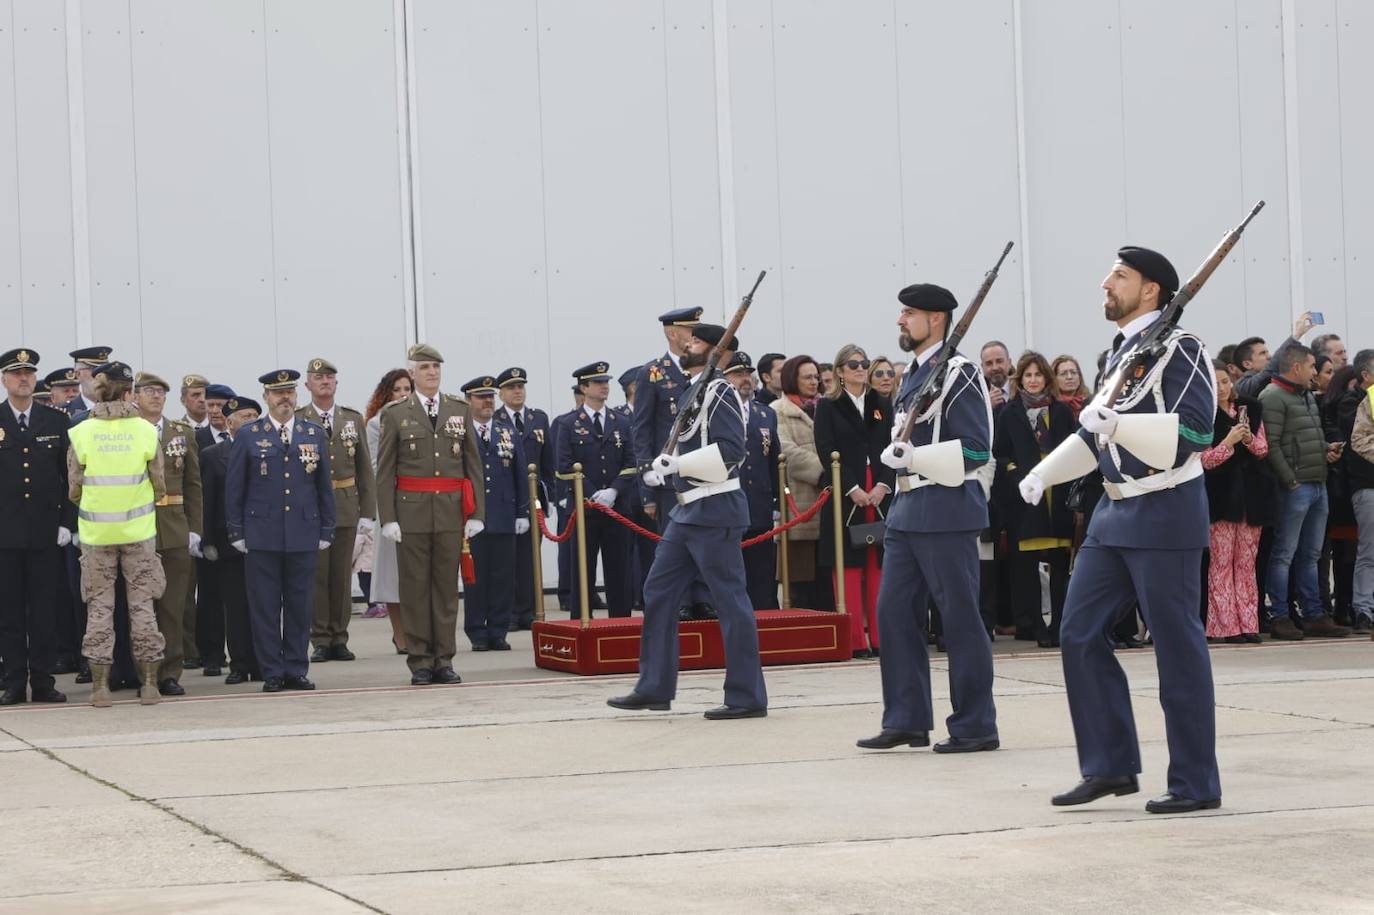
{"points": [[801, 518], [544, 528]]}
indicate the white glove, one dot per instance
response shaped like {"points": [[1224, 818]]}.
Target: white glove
{"points": [[76, 539], [392, 531], [365, 525], [240, 545], [522, 526], [652, 478], [472, 527], [324, 545], [194, 545], [665, 465], [1098, 420], [1032, 489], [604, 497], [210, 553], [777, 516], [896, 455], [64, 536]]}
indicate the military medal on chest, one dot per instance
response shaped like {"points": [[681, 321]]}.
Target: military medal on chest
{"points": [[263, 445], [349, 436], [767, 440], [505, 447], [310, 457], [455, 428], [176, 449]]}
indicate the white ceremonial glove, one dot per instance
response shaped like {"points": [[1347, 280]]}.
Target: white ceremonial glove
{"points": [[665, 465], [777, 516], [365, 525], [324, 545], [211, 553], [76, 539], [240, 545], [522, 526], [392, 531], [472, 527], [652, 478], [896, 455], [1098, 420], [1032, 489], [64, 536], [604, 497], [193, 545]]}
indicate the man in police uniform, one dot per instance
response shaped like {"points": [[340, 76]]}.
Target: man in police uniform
{"points": [[565, 510], [536, 447], [87, 360], [702, 541], [63, 386], [598, 438], [38, 519], [218, 552], [1144, 545], [279, 511], [179, 515], [429, 498], [488, 602], [204, 648], [355, 507], [931, 547], [758, 476]]}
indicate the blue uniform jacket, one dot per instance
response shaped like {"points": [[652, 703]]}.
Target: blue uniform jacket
{"points": [[536, 447], [658, 386], [606, 462], [725, 426], [759, 473], [964, 417], [270, 499], [1172, 518], [503, 469]]}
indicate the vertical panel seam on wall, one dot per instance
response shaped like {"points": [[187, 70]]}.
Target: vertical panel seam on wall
{"points": [[1022, 180], [1121, 75], [725, 152], [1240, 166], [543, 196], [18, 202], [412, 142], [1340, 172], [271, 196], [76, 148], [777, 167], [668, 153], [901, 157], [133, 149], [401, 50], [1296, 281]]}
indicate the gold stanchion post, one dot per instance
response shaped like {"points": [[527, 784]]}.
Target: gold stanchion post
{"points": [[783, 562], [536, 544], [837, 512], [582, 591]]}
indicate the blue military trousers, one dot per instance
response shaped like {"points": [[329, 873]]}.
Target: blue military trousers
{"points": [[281, 605], [942, 567], [689, 553], [1107, 581]]}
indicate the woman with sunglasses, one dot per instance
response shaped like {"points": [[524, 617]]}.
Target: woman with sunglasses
{"points": [[856, 421], [882, 377]]}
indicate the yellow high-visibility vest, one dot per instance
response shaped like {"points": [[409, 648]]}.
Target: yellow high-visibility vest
{"points": [[117, 493]]}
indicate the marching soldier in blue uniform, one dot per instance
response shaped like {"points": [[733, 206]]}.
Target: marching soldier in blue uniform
{"points": [[759, 477], [702, 541], [1144, 544], [536, 447], [279, 511], [600, 440], [488, 603], [931, 546]]}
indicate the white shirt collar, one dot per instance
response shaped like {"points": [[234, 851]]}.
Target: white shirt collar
{"points": [[593, 414], [512, 413], [27, 414], [277, 427], [1137, 325], [196, 425], [922, 358], [858, 401]]}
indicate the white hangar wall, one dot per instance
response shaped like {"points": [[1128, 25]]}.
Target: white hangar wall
{"points": [[226, 186]]}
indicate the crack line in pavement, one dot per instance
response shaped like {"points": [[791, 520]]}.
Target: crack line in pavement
{"points": [[253, 853]]}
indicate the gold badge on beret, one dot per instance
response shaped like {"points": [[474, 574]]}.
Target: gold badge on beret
{"points": [[283, 376], [316, 365], [23, 355]]}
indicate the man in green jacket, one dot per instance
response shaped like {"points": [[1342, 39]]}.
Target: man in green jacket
{"points": [[1298, 454]]}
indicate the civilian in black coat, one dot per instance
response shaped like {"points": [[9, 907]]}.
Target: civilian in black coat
{"points": [[856, 421], [1030, 426]]}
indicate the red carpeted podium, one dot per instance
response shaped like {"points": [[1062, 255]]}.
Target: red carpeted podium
{"points": [[611, 646]]}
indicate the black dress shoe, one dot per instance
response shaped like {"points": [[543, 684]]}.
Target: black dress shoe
{"points": [[212, 670], [704, 611], [422, 677], [526, 623], [1251, 638], [191, 663], [500, 645], [863, 654], [83, 672], [320, 654], [298, 683], [634, 702], [273, 685], [48, 694], [890, 738], [480, 646], [1174, 803], [170, 687], [967, 744], [446, 676], [684, 614], [14, 697], [1093, 787], [341, 653], [235, 678], [725, 712], [66, 664]]}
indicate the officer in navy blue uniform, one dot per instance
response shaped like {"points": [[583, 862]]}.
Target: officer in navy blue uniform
{"points": [[536, 446], [489, 602], [279, 511], [87, 359], [930, 551], [559, 519], [759, 477], [1144, 544], [599, 439], [702, 541], [642, 554]]}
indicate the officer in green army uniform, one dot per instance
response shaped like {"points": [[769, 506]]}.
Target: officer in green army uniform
{"points": [[355, 507], [179, 516], [428, 502]]}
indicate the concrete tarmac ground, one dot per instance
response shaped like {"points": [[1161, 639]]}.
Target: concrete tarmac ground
{"points": [[521, 791]]}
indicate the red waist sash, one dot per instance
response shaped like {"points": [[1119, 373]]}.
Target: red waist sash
{"points": [[441, 484]]}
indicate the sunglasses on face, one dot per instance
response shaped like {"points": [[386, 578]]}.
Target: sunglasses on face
{"points": [[857, 364], [884, 373]]}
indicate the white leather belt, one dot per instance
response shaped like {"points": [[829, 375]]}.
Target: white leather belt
{"points": [[916, 481], [699, 492], [1159, 482]]}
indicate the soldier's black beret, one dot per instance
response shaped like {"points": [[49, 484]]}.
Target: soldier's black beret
{"points": [[594, 371], [219, 391], [712, 333], [1152, 265], [115, 371], [928, 297], [236, 403]]}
